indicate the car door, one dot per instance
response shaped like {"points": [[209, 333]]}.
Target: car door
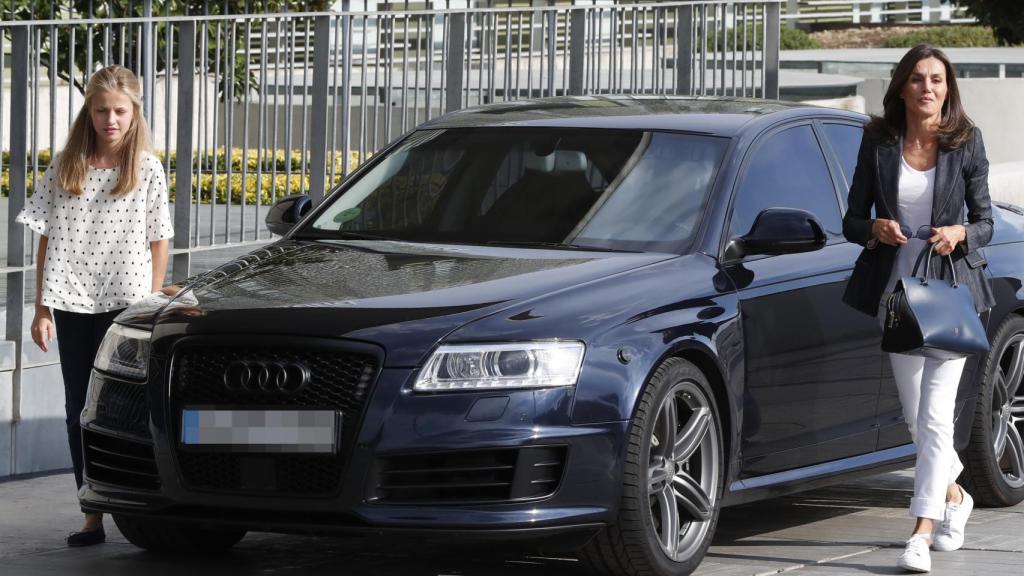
{"points": [[811, 362], [844, 139]]}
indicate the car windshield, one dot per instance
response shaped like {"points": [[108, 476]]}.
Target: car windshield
{"points": [[604, 189]]}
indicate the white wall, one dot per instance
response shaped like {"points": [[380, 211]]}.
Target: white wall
{"points": [[995, 104]]}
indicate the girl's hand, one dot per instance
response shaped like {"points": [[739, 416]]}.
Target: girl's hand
{"points": [[888, 232], [42, 328], [946, 238]]}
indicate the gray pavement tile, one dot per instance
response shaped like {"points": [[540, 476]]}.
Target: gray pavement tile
{"points": [[883, 561]]}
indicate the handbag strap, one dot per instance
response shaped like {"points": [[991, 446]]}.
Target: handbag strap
{"points": [[927, 253]]}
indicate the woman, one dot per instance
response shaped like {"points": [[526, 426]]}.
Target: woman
{"points": [[101, 214], [918, 166]]}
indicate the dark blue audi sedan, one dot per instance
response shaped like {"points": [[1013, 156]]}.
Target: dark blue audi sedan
{"points": [[588, 321]]}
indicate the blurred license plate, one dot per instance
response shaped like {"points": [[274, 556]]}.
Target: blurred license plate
{"points": [[291, 431]]}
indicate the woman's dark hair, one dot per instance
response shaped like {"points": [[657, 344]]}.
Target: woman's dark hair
{"points": [[955, 128]]}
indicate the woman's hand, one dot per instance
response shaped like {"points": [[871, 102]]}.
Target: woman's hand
{"points": [[42, 328], [888, 232], [945, 238]]}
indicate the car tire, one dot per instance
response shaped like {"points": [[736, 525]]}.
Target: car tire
{"points": [[639, 541], [994, 458], [180, 538]]}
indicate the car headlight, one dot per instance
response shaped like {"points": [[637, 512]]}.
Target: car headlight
{"points": [[496, 366], [124, 352]]}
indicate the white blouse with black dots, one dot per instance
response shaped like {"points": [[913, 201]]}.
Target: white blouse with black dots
{"points": [[97, 253]]}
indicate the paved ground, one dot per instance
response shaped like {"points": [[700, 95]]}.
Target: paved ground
{"points": [[854, 528]]}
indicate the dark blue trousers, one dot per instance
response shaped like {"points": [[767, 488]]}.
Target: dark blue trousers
{"points": [[78, 338]]}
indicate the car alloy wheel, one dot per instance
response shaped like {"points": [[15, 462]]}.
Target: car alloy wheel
{"points": [[994, 459], [672, 479], [1008, 412], [682, 473]]}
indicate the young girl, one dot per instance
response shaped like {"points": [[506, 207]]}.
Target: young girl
{"points": [[101, 214]]}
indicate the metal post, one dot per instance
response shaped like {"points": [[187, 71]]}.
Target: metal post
{"points": [[577, 47], [148, 69], [456, 61], [876, 12], [318, 117], [792, 9], [15, 233], [552, 18], [771, 52], [183, 170], [684, 49]]}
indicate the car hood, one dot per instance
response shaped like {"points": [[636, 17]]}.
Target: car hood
{"points": [[403, 296]]}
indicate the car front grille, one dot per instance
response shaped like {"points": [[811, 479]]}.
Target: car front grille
{"points": [[338, 380], [471, 476], [122, 406], [119, 461]]}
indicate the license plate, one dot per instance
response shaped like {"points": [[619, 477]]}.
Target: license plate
{"points": [[274, 431]]}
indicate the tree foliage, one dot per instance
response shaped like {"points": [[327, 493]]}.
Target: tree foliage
{"points": [[1006, 17]]}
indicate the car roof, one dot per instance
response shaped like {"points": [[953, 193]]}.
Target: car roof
{"points": [[705, 115]]}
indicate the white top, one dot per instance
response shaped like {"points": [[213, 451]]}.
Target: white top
{"points": [[915, 209], [97, 253]]}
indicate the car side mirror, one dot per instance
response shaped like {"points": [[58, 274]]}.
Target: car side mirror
{"points": [[287, 211], [779, 231]]}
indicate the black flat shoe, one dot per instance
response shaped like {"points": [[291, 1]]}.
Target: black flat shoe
{"points": [[87, 537]]}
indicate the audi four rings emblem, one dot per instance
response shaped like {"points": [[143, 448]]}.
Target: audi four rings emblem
{"points": [[251, 376]]}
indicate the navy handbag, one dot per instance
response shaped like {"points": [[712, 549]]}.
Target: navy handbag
{"points": [[932, 317]]}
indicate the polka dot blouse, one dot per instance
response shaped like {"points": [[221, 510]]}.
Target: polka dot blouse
{"points": [[97, 253]]}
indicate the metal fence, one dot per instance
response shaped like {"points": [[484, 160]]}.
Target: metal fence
{"points": [[875, 12], [246, 109]]}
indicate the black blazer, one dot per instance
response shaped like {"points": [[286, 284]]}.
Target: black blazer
{"points": [[961, 178]]}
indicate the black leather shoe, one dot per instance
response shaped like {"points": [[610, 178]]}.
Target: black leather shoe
{"points": [[87, 537]]}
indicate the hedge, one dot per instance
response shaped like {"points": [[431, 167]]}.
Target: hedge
{"points": [[791, 39], [946, 37], [268, 180]]}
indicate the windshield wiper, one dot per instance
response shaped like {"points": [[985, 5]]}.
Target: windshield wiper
{"points": [[352, 235], [541, 244]]}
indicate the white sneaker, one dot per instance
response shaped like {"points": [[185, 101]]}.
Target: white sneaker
{"points": [[915, 557], [949, 535]]}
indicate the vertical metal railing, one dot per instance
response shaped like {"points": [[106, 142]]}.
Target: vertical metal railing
{"points": [[325, 90], [246, 109]]}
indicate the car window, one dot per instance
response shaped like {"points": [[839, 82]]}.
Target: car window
{"points": [[659, 206], [608, 189], [845, 140], [787, 170]]}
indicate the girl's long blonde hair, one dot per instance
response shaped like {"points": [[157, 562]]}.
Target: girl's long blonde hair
{"points": [[73, 164]]}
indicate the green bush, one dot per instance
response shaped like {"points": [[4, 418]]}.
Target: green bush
{"points": [[794, 39], [270, 184], [791, 39], [946, 37]]}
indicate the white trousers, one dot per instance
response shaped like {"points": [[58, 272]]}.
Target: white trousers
{"points": [[927, 389]]}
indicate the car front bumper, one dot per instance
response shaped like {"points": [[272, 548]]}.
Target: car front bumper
{"points": [[395, 426]]}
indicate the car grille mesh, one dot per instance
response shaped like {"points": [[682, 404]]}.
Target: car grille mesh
{"points": [[283, 474], [471, 476], [122, 406], [339, 380], [119, 461]]}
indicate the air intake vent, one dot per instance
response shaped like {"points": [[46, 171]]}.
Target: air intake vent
{"points": [[477, 476], [122, 406], [281, 474], [120, 462]]}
